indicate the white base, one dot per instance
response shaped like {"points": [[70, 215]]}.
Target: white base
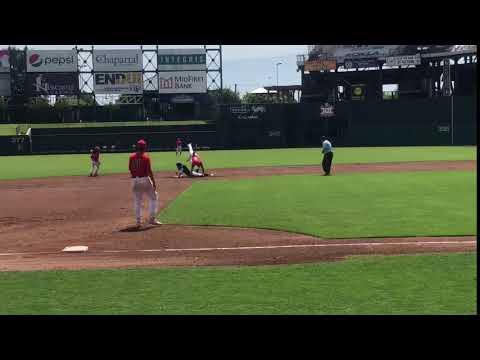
{"points": [[75, 249]]}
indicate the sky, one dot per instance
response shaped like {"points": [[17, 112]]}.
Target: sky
{"points": [[248, 66]]}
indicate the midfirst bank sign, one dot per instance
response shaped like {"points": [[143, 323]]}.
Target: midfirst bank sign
{"points": [[172, 82]]}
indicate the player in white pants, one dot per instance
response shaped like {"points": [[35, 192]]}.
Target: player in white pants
{"points": [[143, 184], [95, 158], [143, 187]]}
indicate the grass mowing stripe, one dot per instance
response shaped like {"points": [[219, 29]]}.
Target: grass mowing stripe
{"points": [[10, 129], [341, 206], [24, 167], [411, 284]]}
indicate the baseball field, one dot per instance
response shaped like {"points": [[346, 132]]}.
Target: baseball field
{"points": [[393, 231]]}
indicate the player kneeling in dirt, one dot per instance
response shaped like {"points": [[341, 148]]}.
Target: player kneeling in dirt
{"points": [[95, 158], [183, 171], [195, 160]]}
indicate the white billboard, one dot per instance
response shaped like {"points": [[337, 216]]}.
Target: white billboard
{"points": [[4, 61], [118, 83], [117, 60], [4, 84], [52, 61], [181, 59], [342, 52], [403, 60], [182, 82]]}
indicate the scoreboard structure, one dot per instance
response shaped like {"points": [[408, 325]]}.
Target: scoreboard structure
{"points": [[333, 73]]}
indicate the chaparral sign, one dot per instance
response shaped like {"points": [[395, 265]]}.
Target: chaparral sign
{"points": [[182, 82], [117, 60], [118, 83], [51, 61]]}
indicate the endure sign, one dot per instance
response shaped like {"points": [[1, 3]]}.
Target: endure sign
{"points": [[119, 83]]}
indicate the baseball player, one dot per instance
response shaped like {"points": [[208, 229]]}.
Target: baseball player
{"points": [[327, 152], [179, 147], [95, 158], [195, 160], [183, 171], [143, 183]]}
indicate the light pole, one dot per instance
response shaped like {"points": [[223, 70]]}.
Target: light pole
{"points": [[277, 72], [277, 80]]}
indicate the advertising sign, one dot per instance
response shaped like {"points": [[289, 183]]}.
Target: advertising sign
{"points": [[181, 59], [4, 84], [51, 61], [4, 61], [117, 60], [248, 112], [52, 84], [118, 83], [171, 82], [360, 63], [327, 110], [320, 65], [403, 60], [341, 52], [447, 83], [358, 92]]}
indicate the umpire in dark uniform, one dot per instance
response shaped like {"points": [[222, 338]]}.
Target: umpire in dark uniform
{"points": [[327, 152]]}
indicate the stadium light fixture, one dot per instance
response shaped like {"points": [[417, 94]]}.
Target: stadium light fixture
{"points": [[278, 64]]}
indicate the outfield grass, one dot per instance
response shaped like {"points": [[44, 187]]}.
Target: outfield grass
{"points": [[341, 206], [10, 129], [409, 284], [78, 164]]}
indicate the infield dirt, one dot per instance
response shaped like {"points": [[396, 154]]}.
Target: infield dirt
{"points": [[40, 217]]}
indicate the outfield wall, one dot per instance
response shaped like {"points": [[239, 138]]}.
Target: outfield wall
{"points": [[355, 123], [67, 140], [411, 122], [14, 145]]}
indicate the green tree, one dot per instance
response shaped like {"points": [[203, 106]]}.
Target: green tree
{"points": [[39, 102], [225, 96], [84, 99]]}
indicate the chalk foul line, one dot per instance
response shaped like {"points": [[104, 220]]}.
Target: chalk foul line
{"points": [[365, 244]]}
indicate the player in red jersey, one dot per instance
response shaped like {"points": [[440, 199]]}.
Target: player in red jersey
{"points": [[143, 183], [95, 157], [195, 160], [179, 147]]}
